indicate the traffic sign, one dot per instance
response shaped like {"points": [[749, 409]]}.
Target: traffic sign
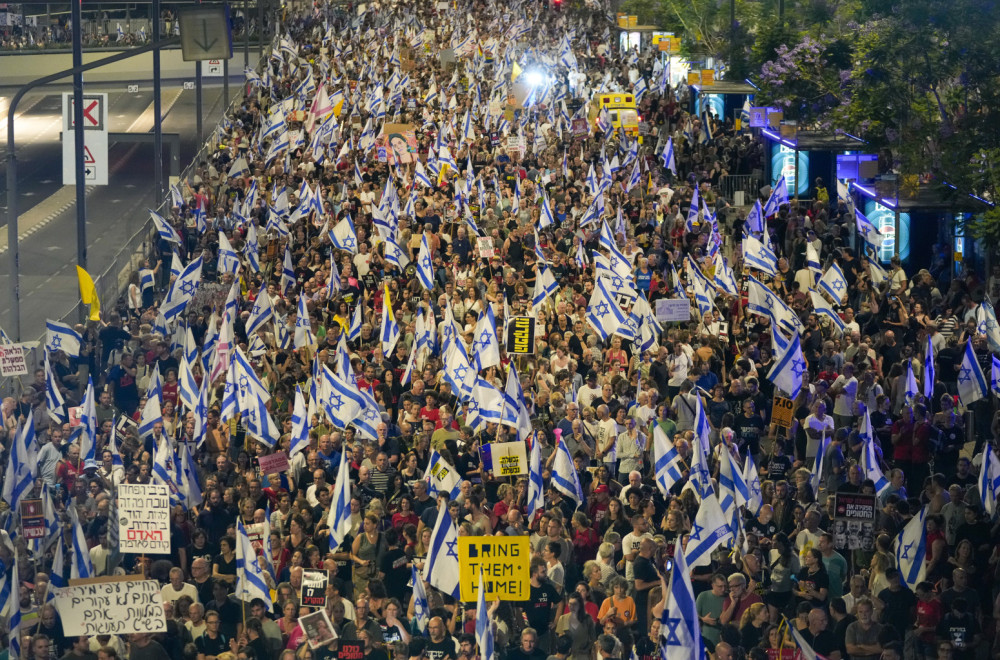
{"points": [[206, 33], [95, 158], [95, 112], [212, 68]]}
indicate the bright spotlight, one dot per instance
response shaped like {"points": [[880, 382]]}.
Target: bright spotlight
{"points": [[534, 78]]}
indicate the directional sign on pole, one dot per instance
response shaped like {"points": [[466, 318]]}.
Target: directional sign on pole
{"points": [[95, 112], [95, 158], [212, 68], [206, 33], [95, 140]]}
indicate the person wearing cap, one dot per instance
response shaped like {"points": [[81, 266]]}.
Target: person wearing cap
{"points": [[591, 390]]}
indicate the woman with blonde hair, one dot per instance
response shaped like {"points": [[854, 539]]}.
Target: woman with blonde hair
{"points": [[752, 625]]}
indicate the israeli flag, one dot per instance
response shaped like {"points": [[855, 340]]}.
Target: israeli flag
{"points": [[989, 481], [758, 256], [986, 324], [834, 283], [229, 260], [343, 235], [755, 219], [287, 273], [869, 460], [666, 461], [971, 384], [441, 568], [182, 291], [164, 229], [564, 476], [911, 382], [390, 329], [536, 487], [421, 607], [777, 198], [62, 337], [425, 266], [911, 551], [303, 328], [357, 320], [55, 404], [339, 518], [867, 230], [752, 479], [813, 262], [603, 312], [485, 347], [680, 627], [250, 581], [786, 374], [822, 306], [710, 530], [260, 313], [816, 474]]}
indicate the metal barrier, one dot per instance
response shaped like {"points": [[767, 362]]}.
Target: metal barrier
{"points": [[748, 184], [112, 282]]}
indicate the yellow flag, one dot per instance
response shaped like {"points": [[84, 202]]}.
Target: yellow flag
{"points": [[388, 303], [515, 72], [88, 293]]}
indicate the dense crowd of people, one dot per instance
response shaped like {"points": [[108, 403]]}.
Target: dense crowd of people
{"points": [[383, 267]]}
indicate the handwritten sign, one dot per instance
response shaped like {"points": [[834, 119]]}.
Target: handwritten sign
{"points": [[144, 518], [505, 459], [503, 561], [485, 246], [111, 607], [273, 463], [12, 362]]}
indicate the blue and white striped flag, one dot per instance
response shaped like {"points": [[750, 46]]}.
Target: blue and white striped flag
{"points": [[680, 627], [603, 312], [484, 625], [786, 374], [300, 425], [777, 198], [62, 337], [710, 530], [287, 272], [260, 313], [421, 608], [989, 480], [911, 551], [971, 383], [564, 476], [303, 326], [182, 290], [229, 259], [752, 480], [425, 267], [441, 568], [339, 518], [758, 256], [82, 567], [834, 283], [666, 461], [250, 581], [536, 487], [911, 382], [869, 459], [55, 404], [164, 229]]}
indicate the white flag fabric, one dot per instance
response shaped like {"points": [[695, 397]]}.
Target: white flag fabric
{"points": [[972, 384], [710, 530]]}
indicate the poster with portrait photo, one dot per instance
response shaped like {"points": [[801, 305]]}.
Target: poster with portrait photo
{"points": [[317, 628], [401, 140]]}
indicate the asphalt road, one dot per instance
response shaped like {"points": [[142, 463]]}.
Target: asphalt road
{"points": [[47, 210]]}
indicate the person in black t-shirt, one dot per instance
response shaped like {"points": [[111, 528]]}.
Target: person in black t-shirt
{"points": [[441, 645], [212, 642], [528, 649], [778, 466], [645, 580], [543, 603]]}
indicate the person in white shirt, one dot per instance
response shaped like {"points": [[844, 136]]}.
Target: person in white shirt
{"points": [[678, 366], [845, 388], [817, 425], [589, 391], [607, 434], [178, 587]]}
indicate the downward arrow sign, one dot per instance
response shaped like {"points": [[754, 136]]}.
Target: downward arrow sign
{"points": [[205, 44]]}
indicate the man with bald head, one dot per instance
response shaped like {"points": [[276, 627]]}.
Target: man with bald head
{"points": [[645, 578], [442, 646]]}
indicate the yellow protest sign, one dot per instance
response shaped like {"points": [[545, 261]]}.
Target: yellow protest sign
{"points": [[503, 561], [782, 411], [694, 77], [707, 77]]}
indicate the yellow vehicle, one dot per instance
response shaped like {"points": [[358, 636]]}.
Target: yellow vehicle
{"points": [[621, 110]]}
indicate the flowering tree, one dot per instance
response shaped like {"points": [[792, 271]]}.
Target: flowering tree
{"points": [[808, 81]]}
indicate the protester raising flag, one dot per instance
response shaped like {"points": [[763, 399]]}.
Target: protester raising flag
{"points": [[680, 626]]}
